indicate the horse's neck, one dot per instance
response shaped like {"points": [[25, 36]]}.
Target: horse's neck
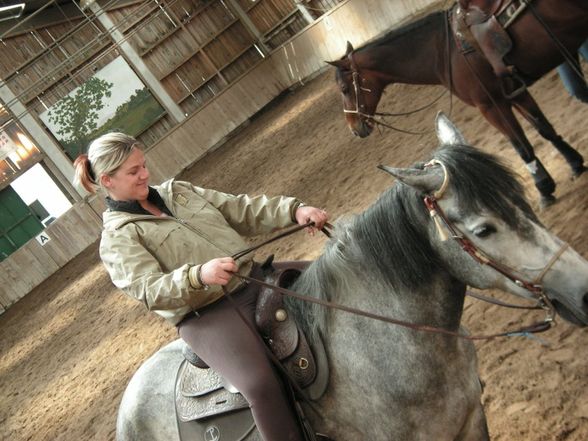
{"points": [[416, 57], [438, 303]]}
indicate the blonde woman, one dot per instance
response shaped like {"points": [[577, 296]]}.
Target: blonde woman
{"points": [[169, 247]]}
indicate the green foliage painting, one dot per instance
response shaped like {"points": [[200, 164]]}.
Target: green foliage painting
{"points": [[114, 99], [77, 114]]}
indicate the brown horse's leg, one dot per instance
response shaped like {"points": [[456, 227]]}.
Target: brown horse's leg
{"points": [[502, 117], [527, 106]]}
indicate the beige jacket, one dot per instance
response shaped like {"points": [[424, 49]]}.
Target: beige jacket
{"points": [[152, 258]]}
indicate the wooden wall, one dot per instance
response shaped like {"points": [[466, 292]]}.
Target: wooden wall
{"points": [[215, 116], [31, 264], [297, 59]]}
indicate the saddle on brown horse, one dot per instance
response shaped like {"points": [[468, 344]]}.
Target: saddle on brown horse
{"points": [[207, 406], [481, 25]]}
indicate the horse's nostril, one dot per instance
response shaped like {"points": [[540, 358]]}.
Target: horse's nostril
{"points": [[585, 305]]}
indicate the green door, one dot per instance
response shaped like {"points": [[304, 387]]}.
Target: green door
{"points": [[18, 223]]}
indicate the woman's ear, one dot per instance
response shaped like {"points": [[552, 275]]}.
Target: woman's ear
{"points": [[106, 181]]}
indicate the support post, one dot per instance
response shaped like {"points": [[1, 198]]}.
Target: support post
{"points": [[304, 11], [135, 60], [237, 10]]}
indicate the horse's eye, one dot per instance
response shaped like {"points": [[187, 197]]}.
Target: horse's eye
{"points": [[344, 90], [484, 230]]}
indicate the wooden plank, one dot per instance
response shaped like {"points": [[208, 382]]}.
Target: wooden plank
{"points": [[50, 42], [122, 15], [235, 57], [36, 81], [194, 14], [97, 204], [157, 131], [77, 228], [179, 151], [72, 233], [24, 269], [5, 301]]}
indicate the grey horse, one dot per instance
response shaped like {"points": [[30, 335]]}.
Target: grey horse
{"points": [[391, 382]]}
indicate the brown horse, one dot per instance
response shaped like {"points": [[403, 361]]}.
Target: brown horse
{"points": [[428, 52]]}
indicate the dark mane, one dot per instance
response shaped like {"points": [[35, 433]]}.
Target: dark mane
{"points": [[482, 181], [390, 242], [386, 39]]}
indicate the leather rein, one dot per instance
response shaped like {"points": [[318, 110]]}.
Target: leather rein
{"points": [[430, 201]]}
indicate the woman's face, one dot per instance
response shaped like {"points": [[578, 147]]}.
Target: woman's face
{"points": [[130, 181]]}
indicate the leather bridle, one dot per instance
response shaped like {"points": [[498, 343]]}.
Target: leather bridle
{"points": [[360, 106], [356, 80], [534, 286]]}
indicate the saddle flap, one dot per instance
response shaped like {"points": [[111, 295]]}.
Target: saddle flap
{"points": [[233, 426], [273, 321], [286, 340], [200, 394], [484, 34]]}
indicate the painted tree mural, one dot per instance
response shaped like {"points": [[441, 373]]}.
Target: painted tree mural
{"points": [[77, 115]]}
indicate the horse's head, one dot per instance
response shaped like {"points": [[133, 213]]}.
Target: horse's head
{"points": [[361, 91], [486, 232]]}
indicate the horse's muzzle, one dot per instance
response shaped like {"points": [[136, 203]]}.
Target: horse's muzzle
{"points": [[363, 129]]}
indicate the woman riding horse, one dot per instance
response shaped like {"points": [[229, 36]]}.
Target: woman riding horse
{"points": [[170, 248]]}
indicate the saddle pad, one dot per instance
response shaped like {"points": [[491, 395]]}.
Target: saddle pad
{"points": [[200, 394]]}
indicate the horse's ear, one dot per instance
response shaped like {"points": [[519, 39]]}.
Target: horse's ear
{"points": [[349, 48], [428, 179], [447, 133], [341, 64]]}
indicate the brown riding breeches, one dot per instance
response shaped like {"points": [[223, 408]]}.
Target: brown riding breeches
{"points": [[220, 338]]}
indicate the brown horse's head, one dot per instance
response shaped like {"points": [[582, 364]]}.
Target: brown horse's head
{"points": [[360, 89]]}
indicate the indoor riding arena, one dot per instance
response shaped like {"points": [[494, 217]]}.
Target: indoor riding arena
{"points": [[233, 95]]}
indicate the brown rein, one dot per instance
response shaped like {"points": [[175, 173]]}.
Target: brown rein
{"points": [[430, 202], [534, 328], [280, 236]]}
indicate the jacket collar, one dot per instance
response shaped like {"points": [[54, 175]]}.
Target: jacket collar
{"points": [[134, 207]]}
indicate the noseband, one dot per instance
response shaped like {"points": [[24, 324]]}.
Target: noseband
{"points": [[535, 286], [359, 101]]}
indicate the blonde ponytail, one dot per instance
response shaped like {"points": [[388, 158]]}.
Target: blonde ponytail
{"points": [[105, 155]]}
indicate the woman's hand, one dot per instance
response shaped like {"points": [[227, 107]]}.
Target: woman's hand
{"points": [[305, 214], [218, 271]]}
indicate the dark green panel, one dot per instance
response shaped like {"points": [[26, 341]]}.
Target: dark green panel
{"points": [[12, 208], [6, 248], [24, 231], [18, 223], [38, 210], [32, 226]]}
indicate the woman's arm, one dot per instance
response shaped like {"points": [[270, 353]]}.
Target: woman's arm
{"points": [[136, 271]]}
